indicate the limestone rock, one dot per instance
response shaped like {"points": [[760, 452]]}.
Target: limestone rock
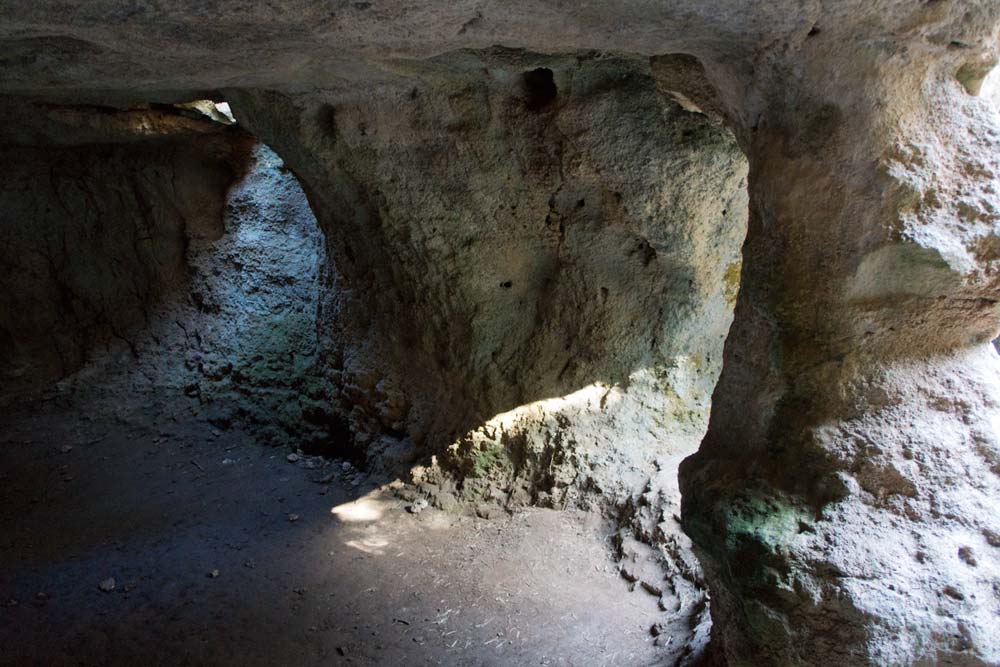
{"points": [[514, 286]]}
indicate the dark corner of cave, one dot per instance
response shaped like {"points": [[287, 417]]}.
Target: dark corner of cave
{"points": [[478, 333]]}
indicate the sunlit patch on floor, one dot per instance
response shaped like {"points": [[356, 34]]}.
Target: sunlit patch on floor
{"points": [[366, 508]]}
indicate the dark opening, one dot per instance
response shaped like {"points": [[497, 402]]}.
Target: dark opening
{"points": [[541, 88]]}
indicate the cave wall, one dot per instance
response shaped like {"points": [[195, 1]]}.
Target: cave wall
{"points": [[844, 498], [96, 210], [539, 260], [515, 305]]}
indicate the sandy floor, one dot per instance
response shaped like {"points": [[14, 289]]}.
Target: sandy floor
{"points": [[98, 493]]}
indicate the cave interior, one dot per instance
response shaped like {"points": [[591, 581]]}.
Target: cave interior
{"points": [[500, 333]]}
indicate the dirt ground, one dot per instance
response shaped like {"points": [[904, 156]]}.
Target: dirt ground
{"points": [[223, 552]]}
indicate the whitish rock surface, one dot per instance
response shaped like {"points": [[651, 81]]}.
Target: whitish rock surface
{"points": [[851, 458], [243, 336]]}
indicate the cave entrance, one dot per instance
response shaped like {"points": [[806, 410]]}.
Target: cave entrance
{"points": [[219, 111]]}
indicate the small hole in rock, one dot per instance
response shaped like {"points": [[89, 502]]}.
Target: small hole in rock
{"points": [[326, 118], [541, 88]]}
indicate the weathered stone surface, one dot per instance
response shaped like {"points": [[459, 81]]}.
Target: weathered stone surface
{"points": [[851, 454], [96, 210], [505, 260], [537, 279], [243, 335]]}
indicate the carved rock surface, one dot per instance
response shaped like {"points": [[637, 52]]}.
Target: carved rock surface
{"points": [[851, 454], [539, 257]]}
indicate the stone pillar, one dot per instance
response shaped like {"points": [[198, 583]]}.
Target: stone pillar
{"points": [[844, 501]]}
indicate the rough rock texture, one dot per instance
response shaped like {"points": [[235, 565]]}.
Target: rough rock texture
{"points": [[539, 258], [533, 271], [242, 337], [858, 397], [96, 209], [844, 496]]}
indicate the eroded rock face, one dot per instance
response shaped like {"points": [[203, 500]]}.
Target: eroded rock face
{"points": [[242, 338], [850, 466], [96, 210], [539, 260], [537, 263]]}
